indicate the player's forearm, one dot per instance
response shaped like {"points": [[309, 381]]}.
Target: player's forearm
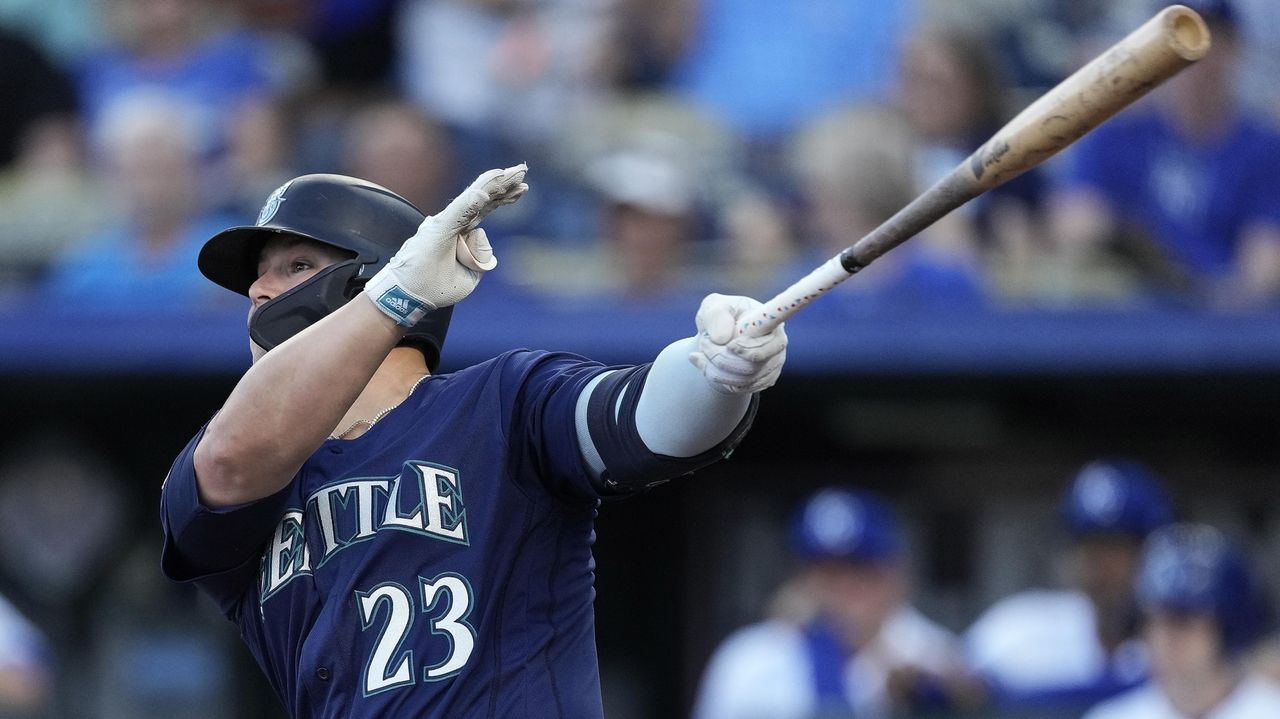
{"points": [[288, 402], [680, 414]]}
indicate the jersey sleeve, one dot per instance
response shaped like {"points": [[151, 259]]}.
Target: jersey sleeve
{"points": [[543, 389], [217, 549]]}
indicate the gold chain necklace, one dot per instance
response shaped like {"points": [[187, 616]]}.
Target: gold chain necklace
{"points": [[370, 422]]}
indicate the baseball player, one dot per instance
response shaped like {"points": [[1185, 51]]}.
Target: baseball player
{"points": [[1066, 649], [396, 543], [1203, 610], [849, 644]]}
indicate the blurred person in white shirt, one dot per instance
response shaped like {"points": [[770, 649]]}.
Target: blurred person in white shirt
{"points": [[1064, 649], [845, 640]]}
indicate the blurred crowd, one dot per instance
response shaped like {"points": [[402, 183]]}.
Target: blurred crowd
{"points": [[1154, 615], [676, 146]]}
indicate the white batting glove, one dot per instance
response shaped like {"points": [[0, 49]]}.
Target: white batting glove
{"points": [[444, 260], [734, 363]]}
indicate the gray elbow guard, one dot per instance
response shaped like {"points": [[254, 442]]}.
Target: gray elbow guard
{"points": [[629, 465]]}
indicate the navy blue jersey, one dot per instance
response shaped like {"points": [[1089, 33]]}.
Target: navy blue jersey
{"points": [[439, 565]]}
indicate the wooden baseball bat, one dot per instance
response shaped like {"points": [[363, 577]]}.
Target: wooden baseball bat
{"points": [[1164, 45]]}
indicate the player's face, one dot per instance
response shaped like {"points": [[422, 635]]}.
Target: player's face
{"points": [[1104, 568], [858, 596], [285, 263], [1184, 648]]}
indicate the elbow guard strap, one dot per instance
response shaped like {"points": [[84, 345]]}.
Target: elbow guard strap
{"points": [[629, 465]]}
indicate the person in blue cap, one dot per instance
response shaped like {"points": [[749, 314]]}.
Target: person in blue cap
{"points": [[848, 643], [1203, 611], [1063, 650], [1185, 187]]}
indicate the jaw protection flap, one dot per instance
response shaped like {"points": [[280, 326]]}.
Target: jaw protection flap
{"points": [[304, 305]]}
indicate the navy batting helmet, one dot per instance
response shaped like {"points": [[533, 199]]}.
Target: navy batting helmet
{"points": [[843, 524], [365, 220], [1115, 497], [1194, 569]]}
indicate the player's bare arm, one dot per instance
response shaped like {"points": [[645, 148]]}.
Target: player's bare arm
{"points": [[278, 414], [342, 366]]}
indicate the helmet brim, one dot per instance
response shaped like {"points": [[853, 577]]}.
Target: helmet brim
{"points": [[230, 258]]}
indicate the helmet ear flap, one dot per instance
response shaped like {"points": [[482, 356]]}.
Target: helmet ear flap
{"points": [[304, 305]]}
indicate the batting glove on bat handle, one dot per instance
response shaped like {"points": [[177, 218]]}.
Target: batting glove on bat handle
{"points": [[444, 260], [732, 361]]}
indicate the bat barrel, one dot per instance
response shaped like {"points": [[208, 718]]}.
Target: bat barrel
{"points": [[1163, 46], [1188, 35]]}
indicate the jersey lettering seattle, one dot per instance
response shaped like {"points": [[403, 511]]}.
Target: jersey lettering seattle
{"points": [[426, 500]]}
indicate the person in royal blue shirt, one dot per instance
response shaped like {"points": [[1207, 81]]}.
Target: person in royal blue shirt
{"points": [[392, 542], [1191, 179]]}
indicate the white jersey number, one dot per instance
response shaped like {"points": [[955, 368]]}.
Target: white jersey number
{"points": [[389, 667]]}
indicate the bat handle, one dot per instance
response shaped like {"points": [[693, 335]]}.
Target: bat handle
{"points": [[789, 301]]}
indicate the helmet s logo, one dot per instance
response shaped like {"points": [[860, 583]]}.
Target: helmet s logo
{"points": [[273, 204]]}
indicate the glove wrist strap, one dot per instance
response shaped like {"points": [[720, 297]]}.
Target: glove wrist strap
{"points": [[394, 300]]}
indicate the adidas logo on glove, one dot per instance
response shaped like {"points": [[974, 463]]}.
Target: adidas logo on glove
{"points": [[404, 308]]}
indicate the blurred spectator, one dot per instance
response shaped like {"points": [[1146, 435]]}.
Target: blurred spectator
{"points": [[1261, 77], [395, 144], [1186, 186], [953, 94], [664, 208], [649, 202], [650, 209], [261, 156], [65, 29], [62, 511], [1203, 610], [501, 72], [144, 259], [51, 480], [644, 41], [505, 78], [191, 49], [1064, 650], [1043, 41], [352, 41], [26, 671], [845, 640], [37, 94], [1257, 82], [855, 169], [46, 199], [767, 67]]}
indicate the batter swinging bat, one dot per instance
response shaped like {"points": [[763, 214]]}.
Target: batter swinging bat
{"points": [[1164, 45]]}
